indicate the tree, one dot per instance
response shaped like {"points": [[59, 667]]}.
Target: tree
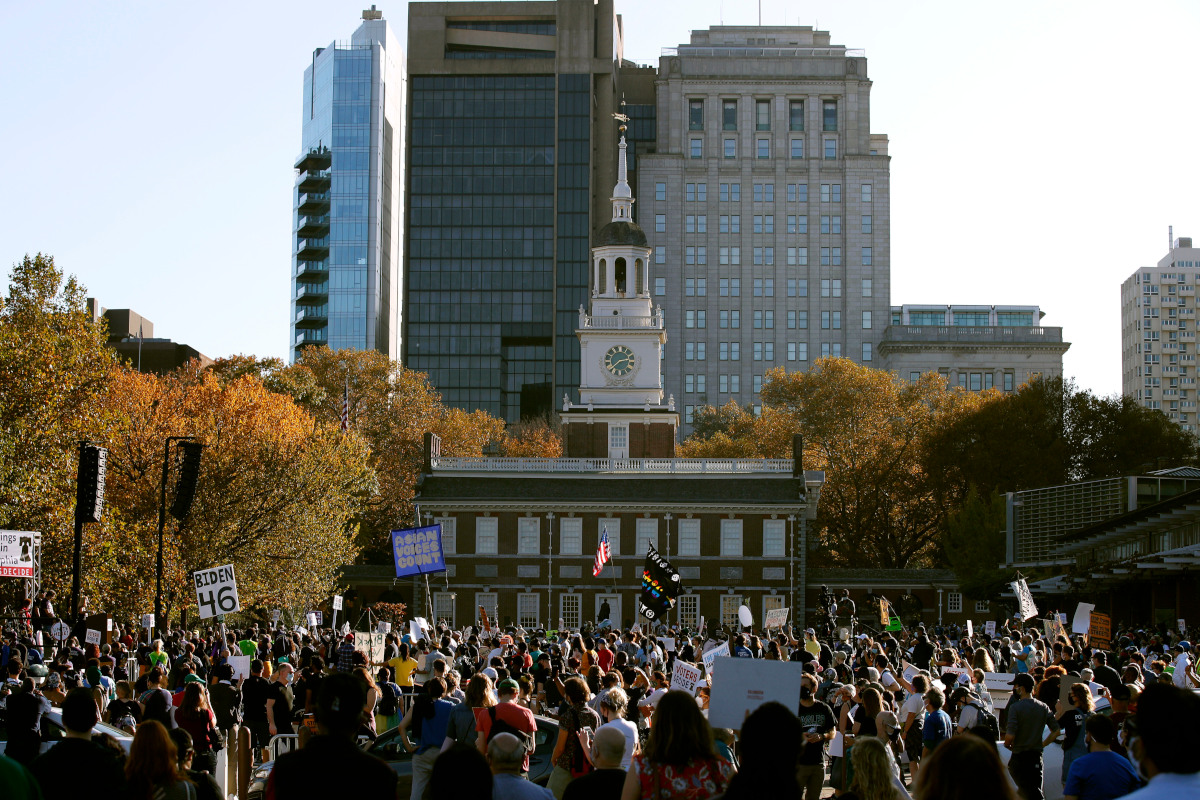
{"points": [[868, 429], [1111, 436], [391, 408], [53, 367], [973, 543], [534, 437], [277, 495]]}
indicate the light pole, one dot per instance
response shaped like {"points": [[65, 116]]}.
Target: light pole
{"points": [[550, 570], [792, 566], [667, 517]]}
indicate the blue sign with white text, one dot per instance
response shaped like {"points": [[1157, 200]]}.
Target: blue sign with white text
{"points": [[418, 551]]}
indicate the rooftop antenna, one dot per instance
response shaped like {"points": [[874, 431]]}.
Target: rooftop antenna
{"points": [[1170, 238]]}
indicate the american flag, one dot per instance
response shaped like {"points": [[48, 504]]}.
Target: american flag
{"points": [[603, 554], [346, 407]]}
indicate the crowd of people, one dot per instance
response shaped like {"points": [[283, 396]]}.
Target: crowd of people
{"points": [[878, 716]]}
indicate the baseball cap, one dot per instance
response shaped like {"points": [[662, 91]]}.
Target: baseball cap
{"points": [[810, 630], [192, 677], [349, 637], [508, 685], [1185, 645], [1024, 679]]}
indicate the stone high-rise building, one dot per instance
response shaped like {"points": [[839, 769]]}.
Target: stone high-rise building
{"points": [[767, 197]]}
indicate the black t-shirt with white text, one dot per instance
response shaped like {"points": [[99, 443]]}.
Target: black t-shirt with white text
{"points": [[817, 718]]}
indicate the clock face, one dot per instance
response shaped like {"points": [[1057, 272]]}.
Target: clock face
{"points": [[619, 360]]}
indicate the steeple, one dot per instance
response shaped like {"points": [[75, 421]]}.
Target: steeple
{"points": [[622, 198]]}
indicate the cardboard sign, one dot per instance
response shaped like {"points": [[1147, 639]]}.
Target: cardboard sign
{"points": [[414, 631], [1082, 620], [418, 551], [685, 677], [989, 627], [505, 640], [337, 602], [747, 683], [1100, 631], [383, 627], [371, 645], [147, 621], [241, 666], [311, 617], [970, 630], [275, 615], [668, 644], [776, 618], [710, 657], [216, 591], [92, 637], [964, 674], [909, 671]]}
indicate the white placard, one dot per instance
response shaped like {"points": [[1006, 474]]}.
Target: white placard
{"points": [[1082, 621], [311, 617], [970, 630], [383, 627], [685, 677], [745, 617], [147, 621], [747, 683], [837, 747], [241, 666], [16, 553], [964, 674], [709, 658], [989, 627], [319, 616], [216, 591], [909, 671], [1182, 626], [668, 644], [776, 618], [337, 602], [275, 615], [371, 644], [414, 631], [1028, 609], [92, 636]]}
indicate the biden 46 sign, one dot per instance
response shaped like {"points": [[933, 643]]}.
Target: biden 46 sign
{"points": [[216, 591], [418, 551]]}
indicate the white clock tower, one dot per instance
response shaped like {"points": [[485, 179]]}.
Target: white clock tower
{"points": [[621, 340]]}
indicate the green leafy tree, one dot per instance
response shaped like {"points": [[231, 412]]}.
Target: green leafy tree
{"points": [[973, 544], [53, 370]]}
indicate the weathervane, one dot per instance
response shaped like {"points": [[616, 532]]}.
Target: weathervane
{"points": [[621, 117]]}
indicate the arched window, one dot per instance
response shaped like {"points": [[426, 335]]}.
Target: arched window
{"points": [[602, 278], [639, 277], [619, 278]]}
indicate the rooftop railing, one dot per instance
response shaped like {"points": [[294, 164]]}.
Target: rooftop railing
{"points": [[679, 466]]}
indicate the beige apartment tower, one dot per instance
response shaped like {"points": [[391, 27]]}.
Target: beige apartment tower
{"points": [[767, 197], [1158, 334]]}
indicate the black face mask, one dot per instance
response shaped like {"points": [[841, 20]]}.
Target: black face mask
{"points": [[806, 693]]}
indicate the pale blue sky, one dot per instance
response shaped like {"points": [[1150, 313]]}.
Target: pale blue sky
{"points": [[1039, 149]]}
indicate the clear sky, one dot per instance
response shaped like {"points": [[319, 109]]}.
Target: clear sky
{"points": [[1039, 149]]}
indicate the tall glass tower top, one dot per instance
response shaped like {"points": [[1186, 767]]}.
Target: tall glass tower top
{"points": [[347, 198]]}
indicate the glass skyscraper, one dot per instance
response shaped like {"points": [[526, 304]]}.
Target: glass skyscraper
{"points": [[347, 199], [505, 114]]}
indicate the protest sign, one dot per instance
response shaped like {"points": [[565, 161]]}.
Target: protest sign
{"points": [[908, 671], [989, 627], [746, 684], [1100, 631], [311, 617], [1028, 609], [970, 630], [92, 637], [964, 674], [1182, 626], [668, 644], [216, 591], [147, 620], [418, 551], [505, 640], [776, 618], [371, 645], [275, 615], [337, 602], [241, 666], [16, 552], [1082, 621], [414, 630], [709, 658], [383, 627], [685, 677]]}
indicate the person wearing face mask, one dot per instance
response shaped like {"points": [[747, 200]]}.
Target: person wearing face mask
{"points": [[1165, 744], [1100, 774], [818, 723]]}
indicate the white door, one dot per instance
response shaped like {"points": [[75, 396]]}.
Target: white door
{"points": [[614, 608]]}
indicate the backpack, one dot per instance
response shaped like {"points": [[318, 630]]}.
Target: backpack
{"points": [[503, 726], [389, 700], [986, 727]]}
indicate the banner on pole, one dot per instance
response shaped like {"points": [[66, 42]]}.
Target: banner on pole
{"points": [[1028, 609], [418, 551], [660, 585]]}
